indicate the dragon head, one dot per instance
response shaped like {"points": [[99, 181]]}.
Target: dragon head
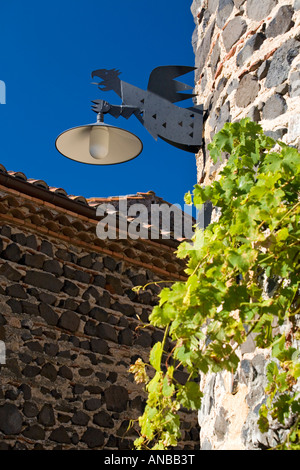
{"points": [[110, 79]]}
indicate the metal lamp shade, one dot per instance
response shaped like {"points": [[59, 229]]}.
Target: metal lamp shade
{"points": [[99, 144]]}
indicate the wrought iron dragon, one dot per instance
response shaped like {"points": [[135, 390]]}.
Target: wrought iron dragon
{"points": [[154, 108]]}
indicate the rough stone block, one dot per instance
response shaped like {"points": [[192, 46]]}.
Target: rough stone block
{"points": [[233, 31], [80, 418], [70, 288], [34, 346], [144, 339], [69, 321], [224, 116], [98, 314], [2, 320], [138, 279], [109, 263], [65, 372], [12, 253], [84, 308], [47, 248], [252, 45], [10, 419], [105, 300], [116, 398], [48, 314], [127, 309], [90, 328], [60, 435], [99, 280], [19, 238], [238, 3], [281, 23], [85, 372], [224, 10], [258, 9], [247, 91], [263, 70], [278, 134], [86, 261], [16, 290], [31, 242], [103, 419], [126, 337], [274, 107], [30, 409], [51, 349], [53, 266], [49, 371], [221, 424], [214, 60], [281, 63], [34, 261], [99, 346], [254, 114], [26, 390], [294, 127], [46, 415], [93, 438], [113, 285], [211, 5], [92, 404], [107, 332], [30, 308], [43, 280], [6, 231], [203, 50], [82, 276], [68, 304], [34, 432], [295, 84], [31, 371], [64, 255], [91, 293], [9, 272]]}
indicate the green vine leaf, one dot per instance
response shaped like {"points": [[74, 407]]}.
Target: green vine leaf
{"points": [[156, 355]]}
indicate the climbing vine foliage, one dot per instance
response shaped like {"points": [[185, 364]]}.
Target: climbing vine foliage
{"points": [[242, 278]]}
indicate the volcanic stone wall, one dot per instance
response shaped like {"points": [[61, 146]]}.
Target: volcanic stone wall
{"points": [[72, 326], [247, 54]]}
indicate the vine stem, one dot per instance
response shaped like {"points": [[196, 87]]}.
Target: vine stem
{"points": [[286, 215]]}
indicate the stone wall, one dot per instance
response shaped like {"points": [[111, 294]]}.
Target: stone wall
{"points": [[72, 326], [247, 54]]}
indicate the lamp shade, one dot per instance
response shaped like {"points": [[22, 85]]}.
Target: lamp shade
{"points": [[99, 144]]}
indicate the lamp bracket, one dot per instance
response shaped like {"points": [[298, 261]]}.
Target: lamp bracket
{"points": [[103, 107]]}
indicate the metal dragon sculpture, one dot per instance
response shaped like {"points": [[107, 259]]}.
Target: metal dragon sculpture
{"points": [[154, 108]]}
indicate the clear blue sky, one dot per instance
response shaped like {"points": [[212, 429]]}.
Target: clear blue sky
{"points": [[48, 51]]}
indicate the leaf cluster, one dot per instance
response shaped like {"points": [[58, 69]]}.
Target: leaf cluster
{"points": [[242, 279]]}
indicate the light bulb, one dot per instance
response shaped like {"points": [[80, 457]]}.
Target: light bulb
{"points": [[99, 142]]}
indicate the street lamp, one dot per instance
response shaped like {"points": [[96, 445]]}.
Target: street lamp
{"points": [[99, 144]]}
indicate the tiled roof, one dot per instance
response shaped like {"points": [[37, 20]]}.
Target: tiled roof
{"points": [[91, 202], [32, 205], [61, 198]]}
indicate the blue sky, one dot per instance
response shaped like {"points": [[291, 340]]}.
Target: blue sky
{"points": [[48, 51]]}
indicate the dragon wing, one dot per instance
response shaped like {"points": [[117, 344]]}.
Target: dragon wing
{"points": [[162, 83]]}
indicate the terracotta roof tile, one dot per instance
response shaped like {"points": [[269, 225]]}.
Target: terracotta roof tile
{"points": [[92, 202], [18, 174]]}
